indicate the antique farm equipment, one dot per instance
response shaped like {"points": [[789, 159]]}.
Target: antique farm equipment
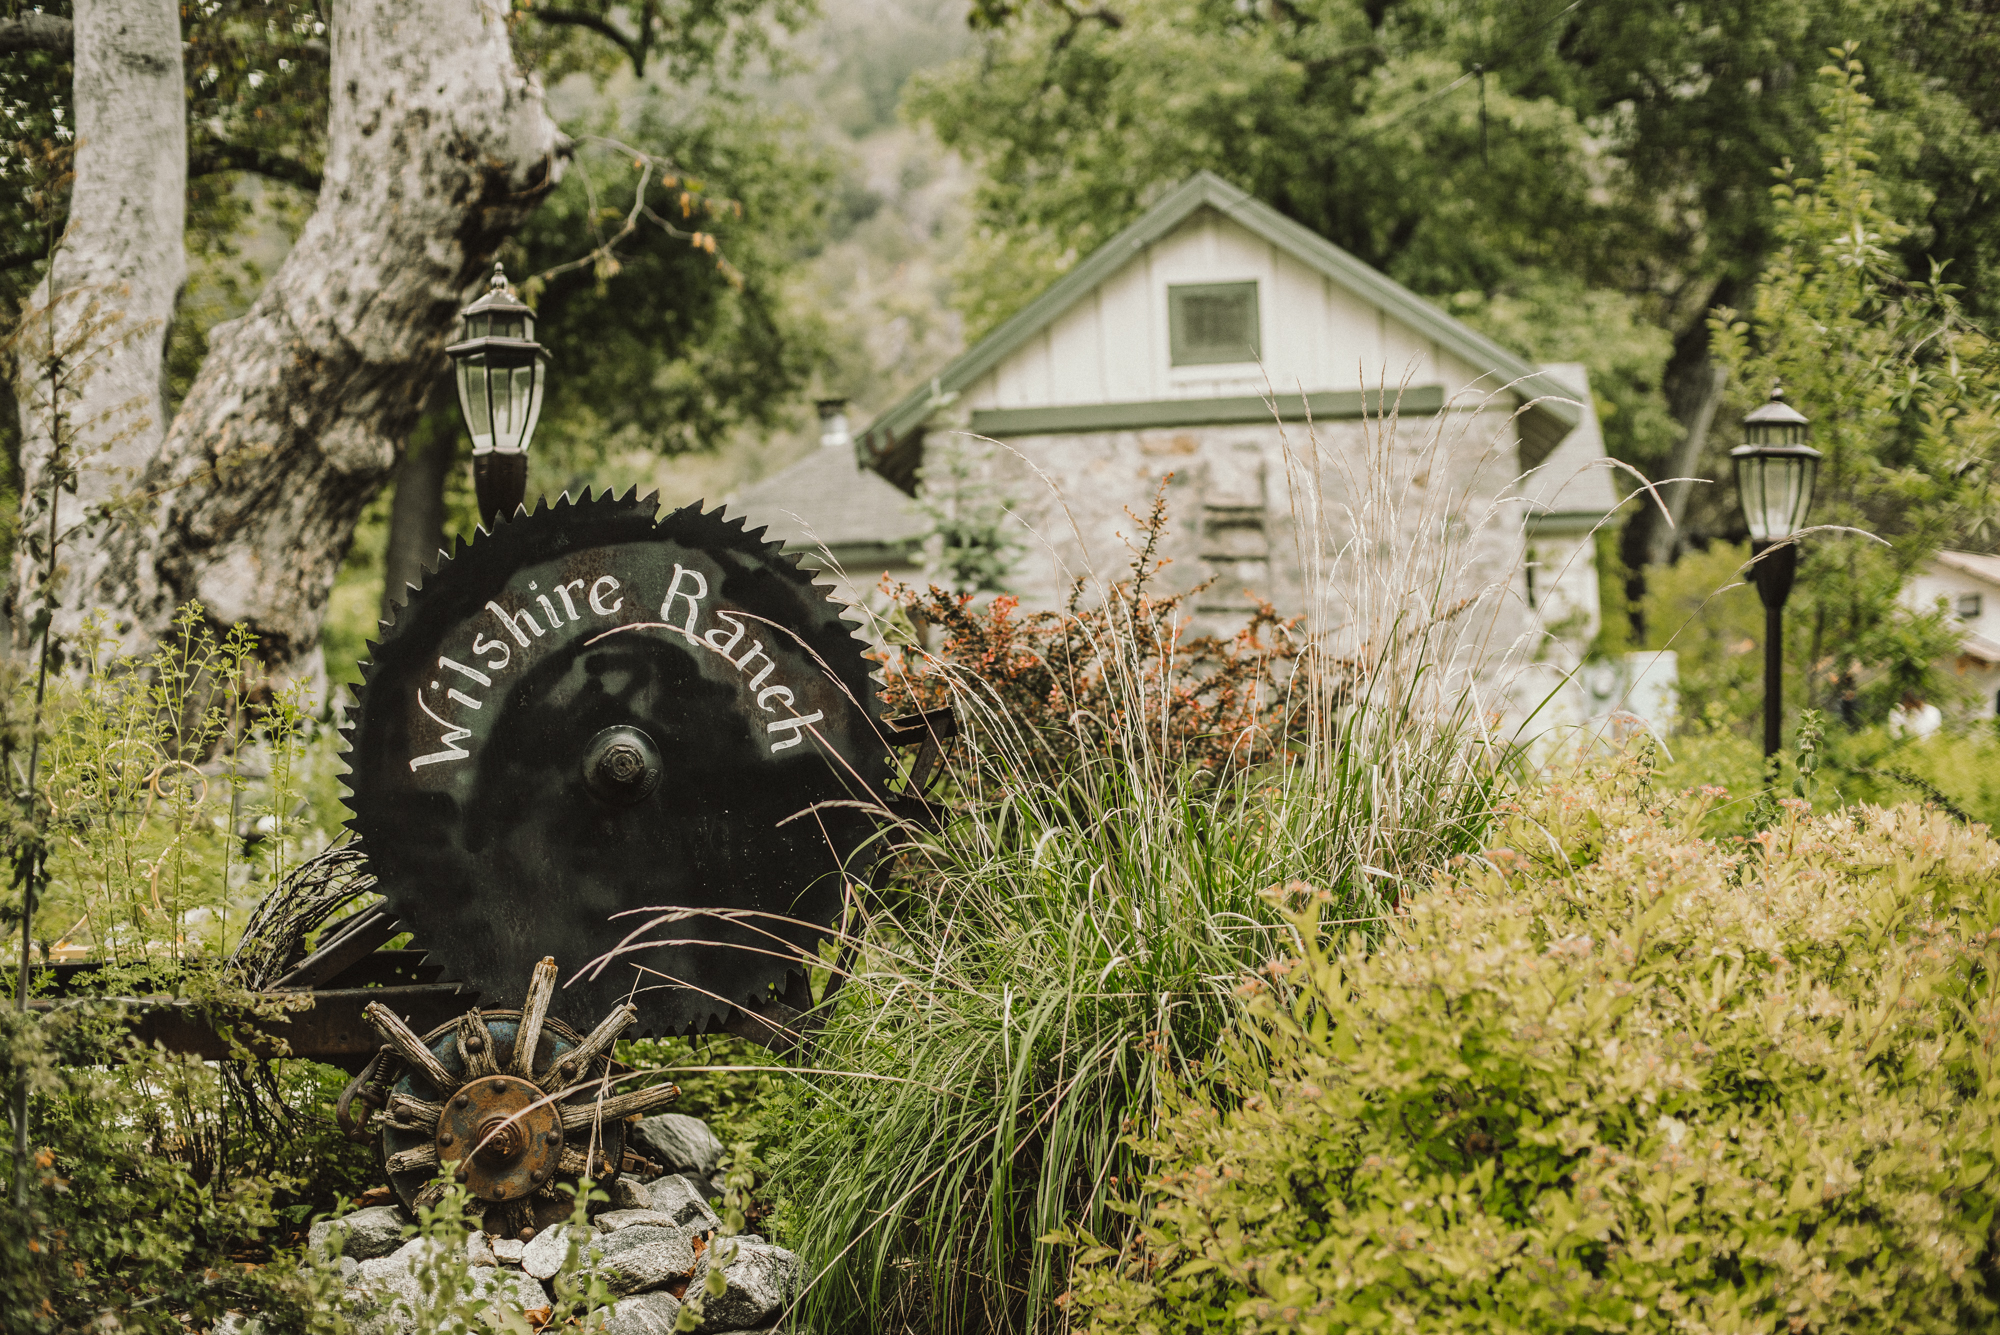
{"points": [[634, 762], [648, 748], [591, 712]]}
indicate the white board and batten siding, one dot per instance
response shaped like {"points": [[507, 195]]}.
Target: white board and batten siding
{"points": [[1112, 346]]}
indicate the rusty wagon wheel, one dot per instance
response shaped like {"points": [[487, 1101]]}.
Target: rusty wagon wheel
{"points": [[513, 1103]]}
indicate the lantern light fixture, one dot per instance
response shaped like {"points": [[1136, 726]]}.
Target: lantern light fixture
{"points": [[1775, 472], [499, 370]]}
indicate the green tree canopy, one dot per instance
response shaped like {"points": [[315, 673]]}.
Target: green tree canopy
{"points": [[1512, 154], [1904, 396]]}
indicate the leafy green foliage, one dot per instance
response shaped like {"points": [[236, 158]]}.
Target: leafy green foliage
{"points": [[1904, 397], [1610, 1075], [153, 841], [1603, 164], [682, 331], [125, 1214], [688, 41]]}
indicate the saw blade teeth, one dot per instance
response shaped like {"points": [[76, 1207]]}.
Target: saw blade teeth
{"points": [[583, 518]]}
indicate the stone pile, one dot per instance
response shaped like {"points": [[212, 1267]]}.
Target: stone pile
{"points": [[655, 1243]]}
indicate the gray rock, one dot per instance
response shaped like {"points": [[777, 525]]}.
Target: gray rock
{"points": [[350, 1270], [758, 1281], [373, 1232], [388, 1306], [676, 1196], [519, 1291], [644, 1314], [700, 1186], [627, 1194], [508, 1251], [403, 1261], [235, 1323], [546, 1254], [679, 1142], [478, 1251], [645, 1257], [613, 1220]]}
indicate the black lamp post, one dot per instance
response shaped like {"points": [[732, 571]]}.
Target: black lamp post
{"points": [[499, 366], [1775, 469]]}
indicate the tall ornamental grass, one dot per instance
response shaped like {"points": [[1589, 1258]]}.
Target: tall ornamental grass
{"points": [[1081, 931]]}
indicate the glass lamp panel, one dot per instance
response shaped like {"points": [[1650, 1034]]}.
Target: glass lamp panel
{"points": [[472, 402], [1775, 489], [533, 390], [1775, 433], [505, 408], [1808, 473]]}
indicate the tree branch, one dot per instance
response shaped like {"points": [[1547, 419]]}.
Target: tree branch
{"points": [[213, 156], [37, 32], [635, 51]]}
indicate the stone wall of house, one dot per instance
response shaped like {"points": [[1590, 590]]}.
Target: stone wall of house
{"points": [[1328, 520]]}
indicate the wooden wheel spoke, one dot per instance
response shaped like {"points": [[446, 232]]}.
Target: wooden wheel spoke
{"points": [[408, 1046], [574, 1065], [541, 988], [409, 1161], [577, 1116], [414, 1109], [475, 1046]]}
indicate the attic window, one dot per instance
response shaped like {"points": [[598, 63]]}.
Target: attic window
{"points": [[1210, 323]]}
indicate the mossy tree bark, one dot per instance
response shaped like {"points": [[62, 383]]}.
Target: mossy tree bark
{"points": [[93, 336], [438, 147]]}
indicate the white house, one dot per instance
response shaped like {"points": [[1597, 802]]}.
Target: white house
{"points": [[1969, 586], [1217, 342]]}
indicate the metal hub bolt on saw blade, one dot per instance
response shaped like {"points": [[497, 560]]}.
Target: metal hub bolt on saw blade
{"points": [[515, 1105], [591, 712]]}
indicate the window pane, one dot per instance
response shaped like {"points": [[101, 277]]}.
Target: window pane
{"points": [[1213, 322]]}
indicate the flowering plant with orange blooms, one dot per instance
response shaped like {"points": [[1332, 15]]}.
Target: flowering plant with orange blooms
{"points": [[1121, 672]]}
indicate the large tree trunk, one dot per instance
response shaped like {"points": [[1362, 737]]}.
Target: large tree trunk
{"points": [[416, 510], [437, 148], [94, 335]]}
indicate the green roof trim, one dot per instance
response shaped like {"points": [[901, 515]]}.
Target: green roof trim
{"points": [[1205, 189], [1326, 406]]}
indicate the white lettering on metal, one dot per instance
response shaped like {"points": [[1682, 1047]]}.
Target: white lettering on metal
{"points": [[605, 598]]}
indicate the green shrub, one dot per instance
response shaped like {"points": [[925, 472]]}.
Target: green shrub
{"points": [[116, 1229], [1612, 1076]]}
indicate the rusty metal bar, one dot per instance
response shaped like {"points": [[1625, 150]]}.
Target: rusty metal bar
{"points": [[329, 1028]]}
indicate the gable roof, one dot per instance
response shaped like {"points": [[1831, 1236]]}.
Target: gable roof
{"points": [[1543, 426], [1573, 486], [1970, 563], [828, 500]]}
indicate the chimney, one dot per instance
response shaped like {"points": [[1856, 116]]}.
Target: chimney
{"points": [[833, 424]]}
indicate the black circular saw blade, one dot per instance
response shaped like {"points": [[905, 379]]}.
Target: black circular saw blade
{"points": [[505, 673]]}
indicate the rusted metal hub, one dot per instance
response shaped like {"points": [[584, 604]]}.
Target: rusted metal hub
{"points": [[621, 766], [504, 1145]]}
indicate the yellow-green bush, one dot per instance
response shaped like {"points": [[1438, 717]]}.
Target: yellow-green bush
{"points": [[1611, 1077]]}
